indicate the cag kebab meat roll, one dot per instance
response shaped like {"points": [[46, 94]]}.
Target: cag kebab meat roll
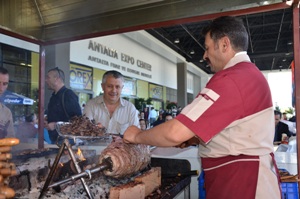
{"points": [[127, 159]]}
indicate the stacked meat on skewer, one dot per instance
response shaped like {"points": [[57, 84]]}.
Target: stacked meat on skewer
{"points": [[126, 159], [7, 168]]}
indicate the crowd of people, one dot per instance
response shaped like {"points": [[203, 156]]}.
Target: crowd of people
{"points": [[158, 116]]}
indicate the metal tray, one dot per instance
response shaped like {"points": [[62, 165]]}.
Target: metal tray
{"points": [[60, 124]]}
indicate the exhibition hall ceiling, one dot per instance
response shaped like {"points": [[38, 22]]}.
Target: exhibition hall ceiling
{"points": [[176, 23]]}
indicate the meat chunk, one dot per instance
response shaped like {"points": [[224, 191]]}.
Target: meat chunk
{"points": [[82, 126], [127, 159]]}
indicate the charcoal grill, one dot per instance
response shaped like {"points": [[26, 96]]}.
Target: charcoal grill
{"points": [[19, 156], [66, 144], [169, 167], [172, 184]]}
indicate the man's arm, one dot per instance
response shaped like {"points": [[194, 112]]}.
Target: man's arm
{"points": [[286, 129], [171, 133]]}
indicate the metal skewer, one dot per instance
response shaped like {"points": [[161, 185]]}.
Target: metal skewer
{"points": [[67, 145], [107, 164]]}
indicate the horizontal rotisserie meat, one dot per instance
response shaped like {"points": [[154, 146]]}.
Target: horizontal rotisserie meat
{"points": [[127, 159]]}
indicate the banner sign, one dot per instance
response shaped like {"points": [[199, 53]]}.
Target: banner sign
{"points": [[81, 77], [155, 91]]}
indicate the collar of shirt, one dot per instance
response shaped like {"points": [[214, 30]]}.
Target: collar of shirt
{"points": [[238, 57], [101, 101], [60, 90]]}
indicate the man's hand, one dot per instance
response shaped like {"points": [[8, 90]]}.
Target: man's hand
{"points": [[194, 141], [130, 134], [100, 125]]}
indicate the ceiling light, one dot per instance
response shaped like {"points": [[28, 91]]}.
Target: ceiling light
{"points": [[192, 52], [201, 60], [290, 43], [284, 59], [266, 2], [176, 41]]}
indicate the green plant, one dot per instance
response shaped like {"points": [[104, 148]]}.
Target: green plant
{"points": [[290, 110], [139, 103], [170, 105], [149, 101]]}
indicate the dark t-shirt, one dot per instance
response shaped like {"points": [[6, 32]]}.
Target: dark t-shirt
{"points": [[56, 110], [281, 128]]}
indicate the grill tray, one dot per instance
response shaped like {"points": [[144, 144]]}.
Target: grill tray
{"points": [[71, 136]]}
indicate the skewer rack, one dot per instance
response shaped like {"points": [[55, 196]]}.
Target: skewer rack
{"points": [[66, 144]]}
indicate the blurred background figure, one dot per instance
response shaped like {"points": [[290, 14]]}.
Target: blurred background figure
{"points": [[146, 116], [82, 107], [143, 124], [159, 120], [284, 116], [27, 129], [280, 127], [152, 116], [168, 117], [142, 115]]}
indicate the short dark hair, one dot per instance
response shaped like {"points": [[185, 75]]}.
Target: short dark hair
{"points": [[277, 113], [113, 73], [142, 120], [169, 114], [231, 27], [29, 118], [3, 71], [59, 72]]}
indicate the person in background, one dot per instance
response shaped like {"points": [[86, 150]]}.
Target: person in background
{"points": [[82, 107], [280, 127], [143, 124], [142, 115], [146, 116], [178, 110], [159, 120], [110, 110], [168, 117], [235, 134], [63, 104], [6, 120], [27, 129], [46, 134], [152, 116], [284, 116]]}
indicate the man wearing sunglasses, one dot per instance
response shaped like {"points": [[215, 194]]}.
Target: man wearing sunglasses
{"points": [[63, 104]]}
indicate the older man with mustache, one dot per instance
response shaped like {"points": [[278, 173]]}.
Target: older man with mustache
{"points": [[110, 110]]}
